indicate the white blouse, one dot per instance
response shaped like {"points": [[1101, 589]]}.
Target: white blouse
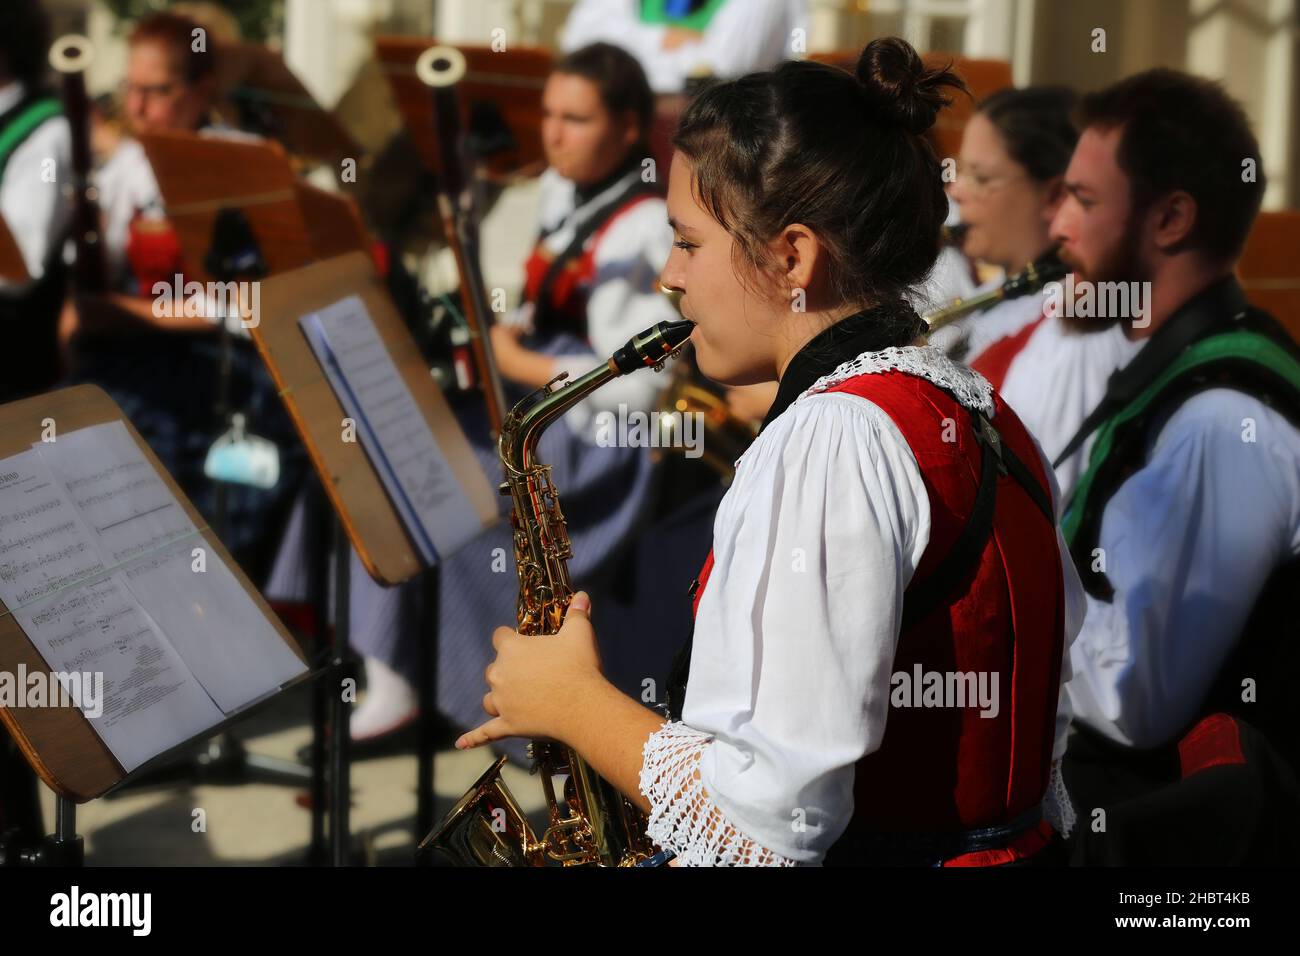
{"points": [[1057, 379], [795, 635], [975, 333], [624, 298], [1190, 539]]}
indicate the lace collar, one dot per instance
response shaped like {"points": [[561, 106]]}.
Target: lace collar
{"points": [[924, 361]]}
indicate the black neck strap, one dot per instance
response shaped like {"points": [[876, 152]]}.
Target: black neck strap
{"points": [[1200, 316]]}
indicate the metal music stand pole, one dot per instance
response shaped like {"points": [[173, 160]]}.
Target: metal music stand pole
{"points": [[427, 695], [341, 668]]}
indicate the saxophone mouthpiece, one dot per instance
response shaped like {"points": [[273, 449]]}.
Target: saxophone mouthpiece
{"points": [[651, 348]]}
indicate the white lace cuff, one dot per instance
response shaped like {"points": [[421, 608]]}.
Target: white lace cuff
{"points": [[1057, 807], [682, 816]]}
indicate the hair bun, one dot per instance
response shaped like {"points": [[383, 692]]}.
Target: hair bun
{"points": [[899, 88]]}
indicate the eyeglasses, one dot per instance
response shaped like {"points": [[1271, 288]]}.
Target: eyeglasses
{"points": [[147, 90]]}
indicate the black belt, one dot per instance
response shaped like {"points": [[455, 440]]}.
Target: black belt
{"points": [[928, 849]]}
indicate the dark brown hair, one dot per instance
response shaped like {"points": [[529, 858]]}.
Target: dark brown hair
{"points": [[840, 152], [1182, 132], [175, 33], [1037, 125], [619, 78], [24, 40]]}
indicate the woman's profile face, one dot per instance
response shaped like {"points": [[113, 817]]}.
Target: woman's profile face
{"points": [[584, 142], [1006, 209], [738, 325], [157, 97]]}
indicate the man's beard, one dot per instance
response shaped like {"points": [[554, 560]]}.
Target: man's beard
{"points": [[1121, 264]]}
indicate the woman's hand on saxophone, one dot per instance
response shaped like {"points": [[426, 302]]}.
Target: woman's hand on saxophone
{"points": [[536, 683]]}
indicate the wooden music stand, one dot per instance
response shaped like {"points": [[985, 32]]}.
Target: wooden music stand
{"points": [[334, 223], [365, 512], [59, 743], [355, 490], [201, 175], [13, 268], [260, 91], [293, 224], [510, 82]]}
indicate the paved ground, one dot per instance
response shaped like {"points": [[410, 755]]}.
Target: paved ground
{"points": [[259, 823]]}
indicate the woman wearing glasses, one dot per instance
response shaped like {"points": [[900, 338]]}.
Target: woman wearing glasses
{"points": [[1051, 369], [161, 365]]}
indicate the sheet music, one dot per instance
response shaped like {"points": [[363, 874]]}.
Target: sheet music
{"points": [[83, 619], [394, 433], [137, 523]]}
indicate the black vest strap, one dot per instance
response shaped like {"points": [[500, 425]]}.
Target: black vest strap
{"points": [[1204, 315], [585, 231], [995, 458]]}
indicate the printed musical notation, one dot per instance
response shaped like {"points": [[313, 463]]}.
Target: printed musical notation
{"points": [[72, 606], [394, 432], [139, 526], [96, 566]]}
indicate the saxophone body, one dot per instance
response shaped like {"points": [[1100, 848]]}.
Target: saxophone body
{"points": [[590, 822]]}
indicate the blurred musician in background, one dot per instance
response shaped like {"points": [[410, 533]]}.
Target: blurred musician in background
{"points": [[1185, 524], [35, 157], [675, 40], [591, 283], [1050, 368], [1014, 151], [163, 370]]}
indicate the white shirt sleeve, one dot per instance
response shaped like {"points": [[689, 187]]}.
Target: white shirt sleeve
{"points": [[127, 188], [34, 205], [624, 300], [1188, 541], [795, 637]]}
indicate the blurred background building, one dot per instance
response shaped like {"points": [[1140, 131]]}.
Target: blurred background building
{"points": [[1250, 45]]}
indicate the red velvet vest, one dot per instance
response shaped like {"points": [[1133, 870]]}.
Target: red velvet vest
{"points": [[572, 286], [943, 769]]}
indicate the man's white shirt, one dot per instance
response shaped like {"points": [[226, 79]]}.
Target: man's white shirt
{"points": [[1188, 541]]}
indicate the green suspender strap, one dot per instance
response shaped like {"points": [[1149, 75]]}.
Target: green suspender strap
{"points": [[1243, 360], [24, 124], [654, 11]]}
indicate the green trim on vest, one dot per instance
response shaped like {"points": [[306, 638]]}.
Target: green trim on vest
{"points": [[1241, 345], [24, 125], [652, 11]]}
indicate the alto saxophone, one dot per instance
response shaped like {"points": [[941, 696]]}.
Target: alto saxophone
{"points": [[594, 824]]}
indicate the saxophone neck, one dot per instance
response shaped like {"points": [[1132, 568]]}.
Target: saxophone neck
{"points": [[527, 420], [532, 416]]}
